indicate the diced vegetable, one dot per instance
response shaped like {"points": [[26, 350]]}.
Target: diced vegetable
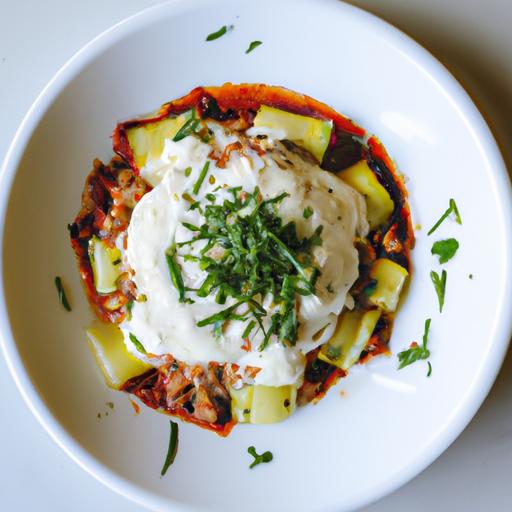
{"points": [[147, 140], [105, 262], [262, 404], [390, 278], [112, 356], [350, 338], [379, 204], [272, 404], [241, 402], [311, 133]]}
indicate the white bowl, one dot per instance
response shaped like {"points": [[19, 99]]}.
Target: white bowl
{"points": [[388, 425]]}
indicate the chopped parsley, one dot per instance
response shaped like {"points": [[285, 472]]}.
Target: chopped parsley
{"points": [[252, 46], [62, 294], [202, 176], [191, 126], [308, 211], [440, 286], [445, 249], [416, 352], [452, 208], [138, 345], [175, 272], [258, 459], [172, 450], [219, 33], [249, 254]]}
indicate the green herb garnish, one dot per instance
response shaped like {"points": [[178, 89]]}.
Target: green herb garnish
{"points": [[192, 125], [445, 249], [175, 272], [187, 171], [252, 46], [138, 345], [429, 372], [440, 286], [202, 176], [258, 459], [173, 447], [129, 307], [308, 211], [219, 33], [416, 352], [452, 208], [62, 294], [249, 254]]}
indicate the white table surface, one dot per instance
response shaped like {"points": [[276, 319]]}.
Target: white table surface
{"points": [[473, 38]]}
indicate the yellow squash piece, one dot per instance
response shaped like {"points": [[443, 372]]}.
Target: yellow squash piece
{"points": [[147, 141], [116, 363], [350, 338], [309, 132], [390, 279], [379, 205], [105, 263], [272, 404]]}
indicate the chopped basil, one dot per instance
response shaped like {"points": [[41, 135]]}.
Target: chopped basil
{"points": [[452, 208], [440, 286], [172, 450], [416, 352], [258, 459], [308, 211], [62, 294], [202, 176], [252, 46], [445, 249], [138, 345], [218, 33]]}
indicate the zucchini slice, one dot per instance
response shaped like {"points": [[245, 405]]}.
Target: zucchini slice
{"points": [[390, 278], [379, 205], [116, 363], [309, 132], [105, 262], [147, 140], [350, 338]]}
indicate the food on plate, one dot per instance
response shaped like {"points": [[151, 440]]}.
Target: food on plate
{"points": [[244, 248]]}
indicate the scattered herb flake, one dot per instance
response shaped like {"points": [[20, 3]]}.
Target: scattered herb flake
{"points": [[415, 352], [440, 286], [470, 276], [175, 272], [445, 249], [188, 171], [62, 294], [429, 372], [308, 211], [452, 208], [202, 176], [110, 405], [192, 125], [252, 46], [258, 459], [138, 345], [173, 447], [218, 33]]}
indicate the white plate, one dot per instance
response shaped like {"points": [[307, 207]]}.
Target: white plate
{"points": [[347, 450]]}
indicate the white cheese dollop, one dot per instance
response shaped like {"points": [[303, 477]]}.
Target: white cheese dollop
{"points": [[165, 326]]}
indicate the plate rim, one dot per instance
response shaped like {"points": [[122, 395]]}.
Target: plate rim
{"points": [[446, 83]]}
